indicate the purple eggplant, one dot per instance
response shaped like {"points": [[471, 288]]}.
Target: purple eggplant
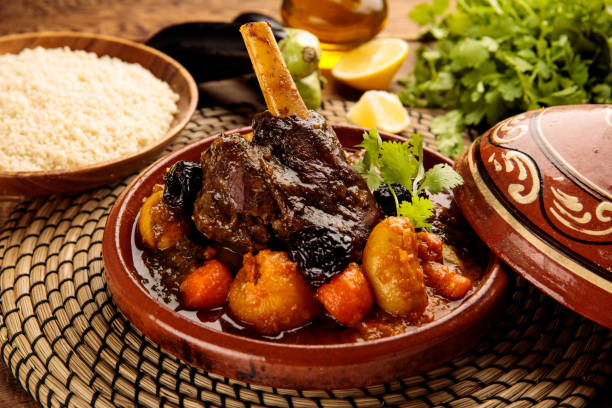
{"points": [[211, 50]]}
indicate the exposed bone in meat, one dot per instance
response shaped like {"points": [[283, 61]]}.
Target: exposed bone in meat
{"points": [[292, 175]]}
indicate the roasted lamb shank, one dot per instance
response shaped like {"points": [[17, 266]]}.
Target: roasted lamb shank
{"points": [[293, 174]]}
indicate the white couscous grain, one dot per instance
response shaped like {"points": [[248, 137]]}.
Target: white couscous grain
{"points": [[63, 109]]}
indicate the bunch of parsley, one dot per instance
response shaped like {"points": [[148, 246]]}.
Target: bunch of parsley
{"points": [[496, 58], [392, 162]]}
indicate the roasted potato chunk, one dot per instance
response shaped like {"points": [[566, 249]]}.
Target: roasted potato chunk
{"points": [[391, 264], [347, 296], [270, 294], [160, 226], [206, 287]]}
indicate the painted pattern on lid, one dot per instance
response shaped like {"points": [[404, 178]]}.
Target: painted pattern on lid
{"points": [[539, 192]]}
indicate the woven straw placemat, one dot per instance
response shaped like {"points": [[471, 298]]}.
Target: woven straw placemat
{"points": [[63, 338]]}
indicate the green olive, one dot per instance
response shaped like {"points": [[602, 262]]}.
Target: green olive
{"points": [[301, 51]]}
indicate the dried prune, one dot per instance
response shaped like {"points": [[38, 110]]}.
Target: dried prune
{"points": [[320, 252], [385, 200], [183, 182]]}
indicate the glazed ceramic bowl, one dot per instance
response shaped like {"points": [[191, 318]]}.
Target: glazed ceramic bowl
{"points": [[82, 178], [538, 191], [277, 364]]}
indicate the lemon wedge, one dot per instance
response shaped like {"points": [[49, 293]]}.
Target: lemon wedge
{"points": [[381, 110], [371, 65]]}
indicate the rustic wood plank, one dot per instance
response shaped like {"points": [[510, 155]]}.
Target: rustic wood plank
{"points": [[139, 19]]}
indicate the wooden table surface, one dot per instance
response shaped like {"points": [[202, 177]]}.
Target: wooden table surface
{"points": [[138, 20]]}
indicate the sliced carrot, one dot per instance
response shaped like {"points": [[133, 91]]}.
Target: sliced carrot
{"points": [[206, 287], [430, 246], [448, 283], [347, 296]]}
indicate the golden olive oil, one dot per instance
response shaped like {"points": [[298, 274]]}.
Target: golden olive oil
{"points": [[339, 24]]}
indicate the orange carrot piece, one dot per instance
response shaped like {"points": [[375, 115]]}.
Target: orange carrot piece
{"points": [[430, 246], [206, 287], [347, 296], [448, 283]]}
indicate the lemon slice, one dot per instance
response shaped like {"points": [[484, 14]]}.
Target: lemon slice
{"points": [[381, 110], [372, 65]]}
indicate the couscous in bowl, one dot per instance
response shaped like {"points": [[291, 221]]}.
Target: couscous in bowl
{"points": [[82, 177]]}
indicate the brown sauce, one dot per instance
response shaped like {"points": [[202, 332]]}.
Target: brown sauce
{"points": [[162, 282]]}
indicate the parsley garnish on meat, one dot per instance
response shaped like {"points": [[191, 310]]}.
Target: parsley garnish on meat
{"points": [[496, 58], [389, 162]]}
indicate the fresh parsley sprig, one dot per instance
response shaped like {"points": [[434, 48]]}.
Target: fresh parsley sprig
{"points": [[493, 59], [390, 162]]}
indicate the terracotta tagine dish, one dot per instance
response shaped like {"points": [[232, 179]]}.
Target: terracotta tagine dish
{"points": [[219, 348], [538, 191]]}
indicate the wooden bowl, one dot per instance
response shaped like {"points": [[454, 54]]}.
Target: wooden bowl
{"points": [[82, 178], [277, 364]]}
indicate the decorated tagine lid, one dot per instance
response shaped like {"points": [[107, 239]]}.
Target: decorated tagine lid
{"points": [[538, 191]]}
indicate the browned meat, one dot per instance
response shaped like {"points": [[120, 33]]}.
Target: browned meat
{"points": [[235, 205], [311, 180], [294, 174]]}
